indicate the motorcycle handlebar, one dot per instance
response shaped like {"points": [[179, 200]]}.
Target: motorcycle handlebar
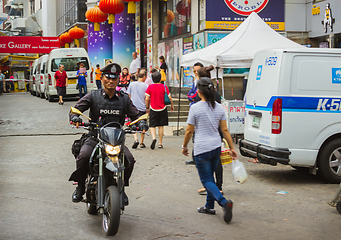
{"points": [[94, 125]]}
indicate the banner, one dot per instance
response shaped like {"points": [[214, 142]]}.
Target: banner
{"points": [[28, 44], [229, 14]]}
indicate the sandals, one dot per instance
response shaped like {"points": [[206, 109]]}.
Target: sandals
{"points": [[160, 146], [202, 191], [135, 145], [152, 146], [142, 145], [206, 210]]}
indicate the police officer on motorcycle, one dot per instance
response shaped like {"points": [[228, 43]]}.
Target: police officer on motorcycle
{"points": [[106, 105]]}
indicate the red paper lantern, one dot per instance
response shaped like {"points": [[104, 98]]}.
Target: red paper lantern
{"points": [[96, 16], [76, 33], [61, 43], [111, 7], [66, 39], [132, 6]]}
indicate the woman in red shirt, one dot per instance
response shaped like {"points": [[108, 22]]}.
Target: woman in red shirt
{"points": [[156, 107], [60, 83]]}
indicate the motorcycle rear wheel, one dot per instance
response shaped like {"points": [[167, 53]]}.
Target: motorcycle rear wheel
{"points": [[112, 211]]}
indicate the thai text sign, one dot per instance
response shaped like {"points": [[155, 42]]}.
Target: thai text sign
{"points": [[28, 44]]}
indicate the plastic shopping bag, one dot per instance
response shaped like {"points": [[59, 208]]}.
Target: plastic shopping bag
{"points": [[238, 171]]}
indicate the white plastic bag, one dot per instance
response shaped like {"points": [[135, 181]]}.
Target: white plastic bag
{"points": [[238, 171]]}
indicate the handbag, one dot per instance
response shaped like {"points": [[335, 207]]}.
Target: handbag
{"points": [[163, 75], [166, 98], [238, 171], [77, 86], [225, 156]]}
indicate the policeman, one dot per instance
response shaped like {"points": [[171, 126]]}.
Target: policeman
{"points": [[106, 105]]}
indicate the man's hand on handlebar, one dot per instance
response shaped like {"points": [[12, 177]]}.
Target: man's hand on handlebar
{"points": [[76, 121]]}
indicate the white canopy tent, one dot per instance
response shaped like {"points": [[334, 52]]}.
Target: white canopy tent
{"points": [[237, 49]]}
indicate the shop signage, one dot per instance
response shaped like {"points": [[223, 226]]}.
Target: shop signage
{"points": [[328, 19], [229, 14], [188, 44], [28, 44], [149, 18]]}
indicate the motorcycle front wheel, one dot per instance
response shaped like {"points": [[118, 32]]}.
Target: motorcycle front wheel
{"points": [[112, 211]]}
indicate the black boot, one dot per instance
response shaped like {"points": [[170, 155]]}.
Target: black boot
{"points": [[77, 195], [125, 199]]}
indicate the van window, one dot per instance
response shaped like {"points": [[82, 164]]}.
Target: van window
{"points": [[43, 70], [38, 67], [70, 64]]}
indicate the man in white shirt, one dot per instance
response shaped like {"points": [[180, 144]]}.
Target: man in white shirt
{"points": [[135, 65], [136, 92]]}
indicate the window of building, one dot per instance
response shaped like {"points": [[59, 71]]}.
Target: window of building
{"points": [[175, 18], [32, 6]]}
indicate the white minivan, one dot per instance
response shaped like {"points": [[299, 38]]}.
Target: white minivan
{"points": [[39, 76], [32, 77], [70, 58], [293, 110]]}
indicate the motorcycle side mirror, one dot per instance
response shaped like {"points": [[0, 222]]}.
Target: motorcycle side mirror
{"points": [[143, 117], [76, 111]]}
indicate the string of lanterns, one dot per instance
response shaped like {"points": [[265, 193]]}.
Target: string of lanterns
{"points": [[105, 10]]}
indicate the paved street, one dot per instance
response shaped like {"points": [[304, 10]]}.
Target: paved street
{"points": [[35, 195]]}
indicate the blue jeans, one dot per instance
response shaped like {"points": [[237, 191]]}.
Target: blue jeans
{"points": [[206, 164], [99, 84], [80, 87]]}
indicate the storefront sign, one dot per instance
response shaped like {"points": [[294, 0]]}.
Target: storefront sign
{"points": [[137, 21], [28, 44], [229, 14], [215, 37], [149, 18], [188, 44], [198, 41], [149, 54]]}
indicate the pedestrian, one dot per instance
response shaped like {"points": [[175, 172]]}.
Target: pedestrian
{"points": [[81, 75], [163, 69], [149, 80], [11, 83], [156, 107], [60, 83], [135, 65], [124, 82], [2, 82], [193, 92], [205, 72], [98, 75], [99, 102], [205, 117], [137, 94], [192, 95]]}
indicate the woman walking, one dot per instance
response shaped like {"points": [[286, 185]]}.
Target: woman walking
{"points": [[205, 117], [156, 107]]}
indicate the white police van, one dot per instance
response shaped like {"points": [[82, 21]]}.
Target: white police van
{"points": [[293, 110], [70, 58]]}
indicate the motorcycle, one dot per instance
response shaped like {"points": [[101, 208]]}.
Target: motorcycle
{"points": [[104, 187]]}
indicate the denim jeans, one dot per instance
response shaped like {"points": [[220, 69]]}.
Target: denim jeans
{"points": [[80, 87], [99, 84], [206, 164]]}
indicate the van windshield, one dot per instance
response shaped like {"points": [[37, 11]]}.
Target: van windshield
{"points": [[70, 64]]}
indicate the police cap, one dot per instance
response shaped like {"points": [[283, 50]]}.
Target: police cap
{"points": [[112, 70]]}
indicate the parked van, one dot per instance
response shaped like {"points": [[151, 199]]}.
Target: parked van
{"points": [[32, 77], [70, 58], [40, 81], [293, 110]]}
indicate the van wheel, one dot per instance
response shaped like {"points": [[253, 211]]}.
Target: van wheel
{"points": [[50, 98], [329, 161]]}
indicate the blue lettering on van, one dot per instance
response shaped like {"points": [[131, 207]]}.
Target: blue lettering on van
{"points": [[336, 75], [302, 104], [270, 61], [264, 139], [259, 72]]}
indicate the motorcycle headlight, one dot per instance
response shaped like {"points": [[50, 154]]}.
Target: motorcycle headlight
{"points": [[112, 150]]}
